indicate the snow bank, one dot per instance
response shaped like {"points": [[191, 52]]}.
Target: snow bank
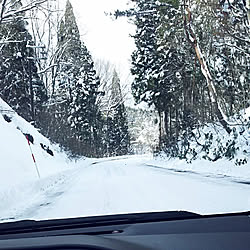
{"points": [[220, 169], [215, 153]]}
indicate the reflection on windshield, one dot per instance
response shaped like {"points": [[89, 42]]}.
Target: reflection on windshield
{"points": [[134, 107]]}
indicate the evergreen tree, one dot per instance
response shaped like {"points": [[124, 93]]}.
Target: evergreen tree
{"points": [[145, 58], [230, 54], [161, 65], [76, 112]]}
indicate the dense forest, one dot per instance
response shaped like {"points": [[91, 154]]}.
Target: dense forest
{"points": [[190, 66]]}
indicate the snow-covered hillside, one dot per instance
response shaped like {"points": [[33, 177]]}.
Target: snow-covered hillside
{"points": [[16, 162]]}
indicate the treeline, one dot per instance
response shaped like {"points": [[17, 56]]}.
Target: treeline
{"points": [[57, 87], [191, 64]]}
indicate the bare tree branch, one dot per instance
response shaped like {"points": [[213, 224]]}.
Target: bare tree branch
{"points": [[2, 10], [12, 13]]}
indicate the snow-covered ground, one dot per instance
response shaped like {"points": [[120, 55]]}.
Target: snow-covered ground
{"points": [[108, 186], [122, 185]]}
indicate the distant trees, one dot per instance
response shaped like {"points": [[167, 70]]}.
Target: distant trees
{"points": [[143, 129], [117, 135]]}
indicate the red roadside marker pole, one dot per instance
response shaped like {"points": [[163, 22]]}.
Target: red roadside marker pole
{"points": [[33, 157]]}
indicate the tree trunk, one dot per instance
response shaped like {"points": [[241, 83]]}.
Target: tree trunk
{"points": [[205, 71]]}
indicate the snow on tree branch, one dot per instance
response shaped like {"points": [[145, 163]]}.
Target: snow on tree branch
{"points": [[11, 12]]}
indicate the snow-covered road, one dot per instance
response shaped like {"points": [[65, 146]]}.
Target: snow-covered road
{"points": [[122, 185]]}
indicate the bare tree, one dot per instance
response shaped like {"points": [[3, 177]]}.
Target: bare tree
{"points": [[106, 102], [44, 21]]}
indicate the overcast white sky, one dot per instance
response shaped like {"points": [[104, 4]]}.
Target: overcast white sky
{"points": [[105, 38]]}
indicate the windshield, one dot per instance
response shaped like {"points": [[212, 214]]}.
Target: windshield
{"points": [[123, 106]]}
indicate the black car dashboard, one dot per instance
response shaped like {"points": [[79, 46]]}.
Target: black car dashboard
{"points": [[156, 231]]}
